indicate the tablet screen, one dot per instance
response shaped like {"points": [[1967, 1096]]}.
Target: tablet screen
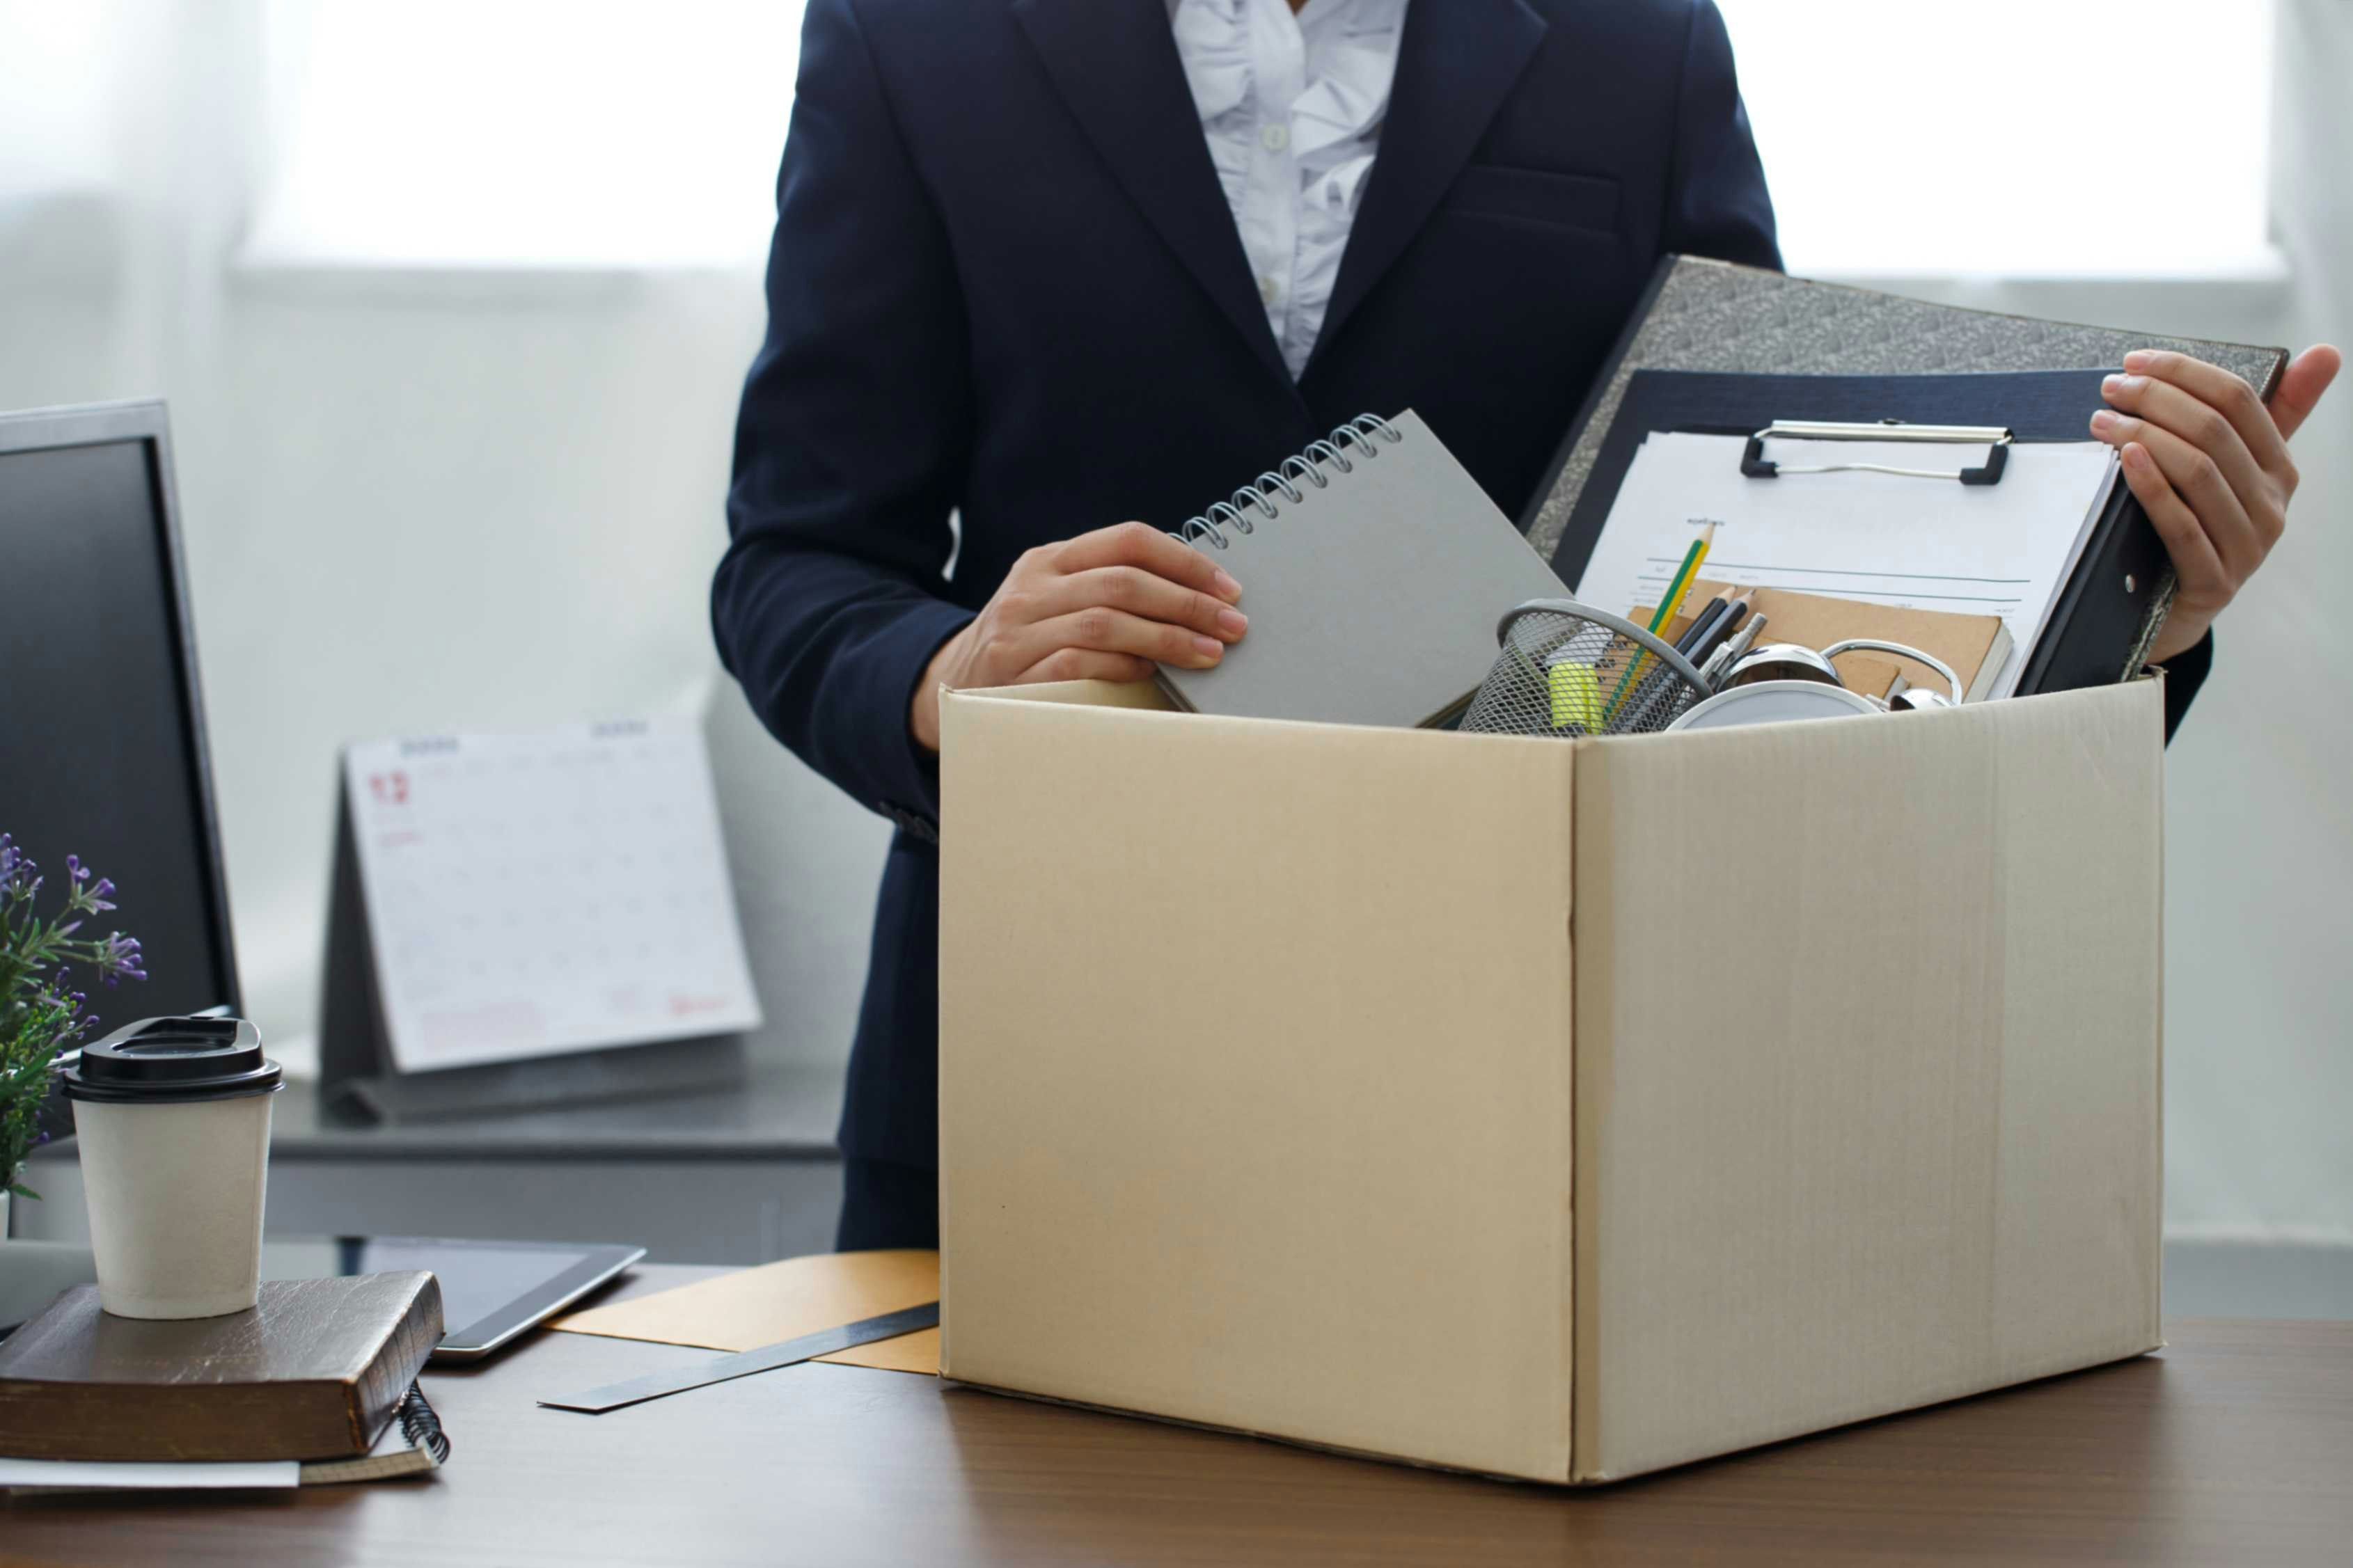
{"points": [[490, 1289], [476, 1280]]}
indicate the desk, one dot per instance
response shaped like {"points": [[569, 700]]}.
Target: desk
{"points": [[2235, 1445]]}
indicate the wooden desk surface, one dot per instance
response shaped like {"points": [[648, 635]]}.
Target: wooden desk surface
{"points": [[2234, 1446]]}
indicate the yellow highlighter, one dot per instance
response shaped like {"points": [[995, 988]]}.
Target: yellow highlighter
{"points": [[1576, 695]]}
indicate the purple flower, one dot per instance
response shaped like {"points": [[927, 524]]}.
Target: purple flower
{"points": [[119, 956], [82, 895]]}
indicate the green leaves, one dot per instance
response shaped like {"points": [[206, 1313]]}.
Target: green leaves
{"points": [[40, 1013]]}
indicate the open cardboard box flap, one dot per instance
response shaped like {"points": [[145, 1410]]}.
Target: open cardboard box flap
{"points": [[1556, 1110]]}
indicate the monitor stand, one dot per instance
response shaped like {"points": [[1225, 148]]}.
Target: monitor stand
{"points": [[359, 1080]]}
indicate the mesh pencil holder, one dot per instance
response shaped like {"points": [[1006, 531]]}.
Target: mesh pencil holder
{"points": [[1568, 669]]}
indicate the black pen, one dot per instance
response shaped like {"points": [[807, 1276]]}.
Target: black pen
{"points": [[1660, 686], [1724, 626], [1704, 622]]}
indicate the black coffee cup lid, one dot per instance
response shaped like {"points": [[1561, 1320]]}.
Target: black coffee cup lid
{"points": [[161, 1061]]}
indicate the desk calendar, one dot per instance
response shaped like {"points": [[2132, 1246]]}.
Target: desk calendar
{"points": [[534, 893]]}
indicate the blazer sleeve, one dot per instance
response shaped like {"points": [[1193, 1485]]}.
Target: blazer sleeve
{"points": [[1718, 205], [851, 445], [2184, 672]]}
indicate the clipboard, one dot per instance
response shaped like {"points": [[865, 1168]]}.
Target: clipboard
{"points": [[1728, 350]]}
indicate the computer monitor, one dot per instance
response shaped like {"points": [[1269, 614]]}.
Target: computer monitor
{"points": [[101, 727]]}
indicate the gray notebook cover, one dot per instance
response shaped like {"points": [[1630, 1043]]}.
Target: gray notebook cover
{"points": [[1372, 600]]}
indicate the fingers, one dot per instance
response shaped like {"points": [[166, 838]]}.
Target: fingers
{"points": [[2300, 390], [1142, 593], [1106, 605], [1141, 545], [2196, 565], [2222, 391], [2197, 481], [1086, 664], [1103, 630], [2203, 426]]}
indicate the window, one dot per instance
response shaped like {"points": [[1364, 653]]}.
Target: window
{"points": [[523, 133], [2039, 137], [58, 66]]}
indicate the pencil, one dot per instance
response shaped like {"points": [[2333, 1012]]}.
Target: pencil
{"points": [[1670, 603]]}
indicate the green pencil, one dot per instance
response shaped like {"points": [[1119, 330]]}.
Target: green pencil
{"points": [[1670, 603]]}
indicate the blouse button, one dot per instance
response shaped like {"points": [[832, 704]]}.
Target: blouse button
{"points": [[1274, 138]]}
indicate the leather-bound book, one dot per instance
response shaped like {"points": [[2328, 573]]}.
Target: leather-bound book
{"points": [[315, 1372]]}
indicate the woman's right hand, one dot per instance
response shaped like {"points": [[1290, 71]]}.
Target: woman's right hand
{"points": [[1106, 605]]}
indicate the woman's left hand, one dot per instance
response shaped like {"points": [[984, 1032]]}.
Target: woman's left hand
{"points": [[2210, 464]]}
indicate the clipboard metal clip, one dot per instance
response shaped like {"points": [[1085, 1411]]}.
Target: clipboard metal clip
{"points": [[1753, 462]]}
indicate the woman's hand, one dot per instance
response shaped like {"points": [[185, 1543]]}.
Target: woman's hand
{"points": [[1106, 605], [2211, 467]]}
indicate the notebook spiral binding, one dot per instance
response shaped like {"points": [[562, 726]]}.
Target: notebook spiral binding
{"points": [[421, 1426], [1259, 496]]}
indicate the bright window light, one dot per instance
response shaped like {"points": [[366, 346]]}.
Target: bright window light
{"points": [[56, 77], [2008, 137], [2035, 137], [523, 133]]}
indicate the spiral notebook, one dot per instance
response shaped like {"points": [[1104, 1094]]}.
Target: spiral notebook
{"points": [[412, 1445], [1373, 570]]}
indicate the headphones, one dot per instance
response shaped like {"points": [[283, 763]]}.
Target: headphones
{"points": [[1783, 682]]}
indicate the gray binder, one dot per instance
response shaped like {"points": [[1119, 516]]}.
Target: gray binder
{"points": [[1703, 315], [1373, 570]]}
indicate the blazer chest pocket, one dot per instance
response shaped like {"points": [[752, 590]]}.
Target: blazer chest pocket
{"points": [[1536, 197]]}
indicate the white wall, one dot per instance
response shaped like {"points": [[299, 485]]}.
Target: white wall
{"points": [[2259, 820], [434, 506], [2260, 906], [2259, 817], [416, 504]]}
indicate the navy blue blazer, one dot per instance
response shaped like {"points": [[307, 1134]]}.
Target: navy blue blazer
{"points": [[1005, 285]]}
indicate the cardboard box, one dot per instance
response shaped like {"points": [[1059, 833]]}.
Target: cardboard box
{"points": [[1558, 1110]]}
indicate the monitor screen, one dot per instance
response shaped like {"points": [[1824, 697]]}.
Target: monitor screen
{"points": [[101, 737]]}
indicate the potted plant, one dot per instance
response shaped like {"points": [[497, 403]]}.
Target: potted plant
{"points": [[40, 1012]]}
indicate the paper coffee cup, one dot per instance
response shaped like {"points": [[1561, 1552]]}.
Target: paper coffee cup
{"points": [[173, 1118]]}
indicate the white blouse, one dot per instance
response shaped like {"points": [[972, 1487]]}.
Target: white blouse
{"points": [[1292, 107]]}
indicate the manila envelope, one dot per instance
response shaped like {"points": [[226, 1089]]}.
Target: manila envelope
{"points": [[777, 1301]]}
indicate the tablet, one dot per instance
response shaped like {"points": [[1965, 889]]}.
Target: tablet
{"points": [[490, 1291]]}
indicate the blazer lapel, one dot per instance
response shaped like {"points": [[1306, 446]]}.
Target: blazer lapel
{"points": [[1457, 62], [1114, 62]]}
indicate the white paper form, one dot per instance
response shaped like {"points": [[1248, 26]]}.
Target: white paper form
{"points": [[85, 1473], [1930, 544], [549, 891]]}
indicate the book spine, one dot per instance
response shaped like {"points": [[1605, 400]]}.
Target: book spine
{"points": [[166, 1424], [374, 1396]]}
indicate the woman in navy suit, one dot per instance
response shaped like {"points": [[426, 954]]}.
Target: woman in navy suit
{"points": [[1046, 266]]}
